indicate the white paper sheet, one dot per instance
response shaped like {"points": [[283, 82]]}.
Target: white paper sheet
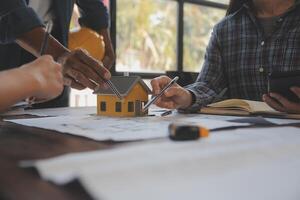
{"points": [[283, 121], [120, 129], [154, 110], [276, 121], [261, 164]]}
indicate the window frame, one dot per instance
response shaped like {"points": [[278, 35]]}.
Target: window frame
{"points": [[103, 105], [180, 33], [130, 106], [118, 107]]}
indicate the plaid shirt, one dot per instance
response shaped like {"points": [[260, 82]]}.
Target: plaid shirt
{"points": [[239, 57]]}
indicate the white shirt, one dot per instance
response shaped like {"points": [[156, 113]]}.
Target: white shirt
{"points": [[43, 8]]}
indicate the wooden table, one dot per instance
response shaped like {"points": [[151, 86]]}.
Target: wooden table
{"points": [[24, 143]]}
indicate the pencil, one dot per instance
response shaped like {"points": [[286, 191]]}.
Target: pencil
{"points": [[30, 101], [154, 99], [46, 39], [114, 89]]}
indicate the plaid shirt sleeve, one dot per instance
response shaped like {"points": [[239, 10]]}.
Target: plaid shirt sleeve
{"points": [[240, 56], [212, 79]]}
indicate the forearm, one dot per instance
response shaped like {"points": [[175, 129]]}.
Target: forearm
{"points": [[15, 86], [110, 57], [107, 40], [32, 42]]}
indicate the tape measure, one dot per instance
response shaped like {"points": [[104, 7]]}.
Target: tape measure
{"points": [[182, 132]]}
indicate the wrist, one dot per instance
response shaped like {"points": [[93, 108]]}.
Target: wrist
{"points": [[29, 80], [62, 55], [189, 100]]}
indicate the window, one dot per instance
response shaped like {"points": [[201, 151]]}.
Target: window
{"points": [[130, 107], [198, 24], [146, 35], [118, 107], [155, 36], [103, 106]]}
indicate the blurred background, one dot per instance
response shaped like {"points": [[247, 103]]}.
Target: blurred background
{"points": [[153, 37]]}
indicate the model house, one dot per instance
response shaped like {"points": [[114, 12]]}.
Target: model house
{"points": [[135, 95]]}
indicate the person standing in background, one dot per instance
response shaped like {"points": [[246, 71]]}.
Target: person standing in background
{"points": [[22, 31]]}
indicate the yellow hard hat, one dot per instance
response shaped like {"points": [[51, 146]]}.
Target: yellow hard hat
{"points": [[89, 40]]}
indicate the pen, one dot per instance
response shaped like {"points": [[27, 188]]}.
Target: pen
{"points": [[114, 89], [169, 112], [31, 100], [111, 86], [154, 99], [46, 38]]}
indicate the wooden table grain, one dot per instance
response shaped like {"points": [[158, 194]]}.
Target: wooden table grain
{"points": [[19, 142]]}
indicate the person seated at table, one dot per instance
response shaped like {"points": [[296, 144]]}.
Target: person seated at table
{"points": [[22, 34], [255, 38], [41, 79]]}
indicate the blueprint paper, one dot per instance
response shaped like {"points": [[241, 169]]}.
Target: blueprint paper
{"points": [[154, 110], [260, 163], [120, 129]]}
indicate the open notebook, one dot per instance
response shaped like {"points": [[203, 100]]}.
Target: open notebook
{"points": [[243, 107]]}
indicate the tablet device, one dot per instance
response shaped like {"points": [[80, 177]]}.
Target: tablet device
{"points": [[281, 82]]}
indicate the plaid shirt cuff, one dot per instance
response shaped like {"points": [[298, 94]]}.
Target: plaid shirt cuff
{"points": [[200, 99]]}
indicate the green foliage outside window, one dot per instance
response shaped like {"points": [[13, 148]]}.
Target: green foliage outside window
{"points": [[198, 24], [146, 35]]}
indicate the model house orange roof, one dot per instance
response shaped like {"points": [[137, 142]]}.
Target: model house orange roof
{"points": [[124, 84]]}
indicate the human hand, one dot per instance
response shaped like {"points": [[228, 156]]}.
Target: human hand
{"points": [[173, 98], [80, 70], [45, 76], [282, 104]]}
